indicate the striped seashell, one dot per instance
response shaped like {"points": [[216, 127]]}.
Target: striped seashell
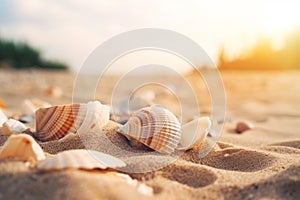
{"points": [[80, 159], [194, 133], [12, 126], [55, 122], [22, 146], [155, 127]]}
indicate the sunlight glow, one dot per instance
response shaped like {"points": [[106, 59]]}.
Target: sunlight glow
{"points": [[280, 16]]}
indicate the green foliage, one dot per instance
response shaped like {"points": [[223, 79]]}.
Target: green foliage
{"points": [[21, 55]]}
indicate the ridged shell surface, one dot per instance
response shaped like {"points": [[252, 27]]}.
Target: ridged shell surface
{"points": [[155, 127], [22, 146], [55, 122], [80, 159]]}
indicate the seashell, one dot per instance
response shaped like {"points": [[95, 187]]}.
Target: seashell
{"points": [[80, 159], [12, 126], [3, 117], [194, 132], [30, 106], [155, 127], [22, 146], [55, 122]]}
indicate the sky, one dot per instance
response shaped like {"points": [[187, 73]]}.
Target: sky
{"points": [[69, 30]]}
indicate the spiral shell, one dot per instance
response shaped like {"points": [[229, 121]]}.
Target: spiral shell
{"points": [[155, 127], [22, 146], [80, 159], [55, 122]]}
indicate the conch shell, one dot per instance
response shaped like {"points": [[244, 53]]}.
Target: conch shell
{"points": [[80, 159], [155, 127], [193, 133], [22, 146], [55, 122], [12, 126]]}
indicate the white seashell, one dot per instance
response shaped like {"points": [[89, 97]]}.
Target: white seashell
{"points": [[55, 122], [3, 117], [80, 159], [12, 126], [155, 127], [194, 132], [30, 106], [22, 146]]}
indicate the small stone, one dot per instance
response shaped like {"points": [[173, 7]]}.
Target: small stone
{"points": [[242, 127]]}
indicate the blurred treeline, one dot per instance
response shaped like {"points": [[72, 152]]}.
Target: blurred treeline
{"points": [[20, 55], [263, 57]]}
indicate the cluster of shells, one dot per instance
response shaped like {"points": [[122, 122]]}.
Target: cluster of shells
{"points": [[152, 125]]}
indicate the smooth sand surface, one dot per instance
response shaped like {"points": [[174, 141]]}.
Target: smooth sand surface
{"points": [[260, 163]]}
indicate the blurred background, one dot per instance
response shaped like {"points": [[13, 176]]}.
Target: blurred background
{"points": [[243, 35]]}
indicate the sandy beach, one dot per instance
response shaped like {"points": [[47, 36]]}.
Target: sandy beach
{"points": [[260, 163]]}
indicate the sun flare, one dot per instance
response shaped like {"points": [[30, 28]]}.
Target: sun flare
{"points": [[280, 16]]}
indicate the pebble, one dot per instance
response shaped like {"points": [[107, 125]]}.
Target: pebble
{"points": [[242, 127]]}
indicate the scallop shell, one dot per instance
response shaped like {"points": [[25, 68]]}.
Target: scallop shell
{"points": [[155, 127], [194, 132], [3, 117], [22, 146], [12, 126], [55, 122], [80, 159]]}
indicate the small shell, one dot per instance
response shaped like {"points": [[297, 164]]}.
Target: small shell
{"points": [[80, 159], [22, 146], [193, 133], [12, 126], [155, 127], [55, 122], [3, 117]]}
